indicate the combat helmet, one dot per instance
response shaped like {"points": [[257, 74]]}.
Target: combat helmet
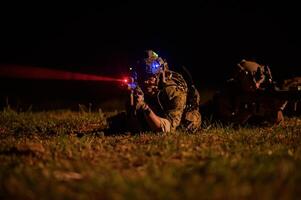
{"points": [[151, 64], [252, 75], [258, 71]]}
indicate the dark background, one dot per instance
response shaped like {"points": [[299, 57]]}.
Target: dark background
{"points": [[208, 37]]}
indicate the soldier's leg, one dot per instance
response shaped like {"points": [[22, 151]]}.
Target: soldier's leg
{"points": [[116, 124], [136, 123]]}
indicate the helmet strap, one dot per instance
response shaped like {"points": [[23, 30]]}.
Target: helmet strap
{"points": [[163, 73]]}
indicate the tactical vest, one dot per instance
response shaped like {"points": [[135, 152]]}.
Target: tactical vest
{"points": [[191, 117]]}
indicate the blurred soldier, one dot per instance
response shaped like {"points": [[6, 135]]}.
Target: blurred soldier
{"points": [[161, 100], [239, 101]]}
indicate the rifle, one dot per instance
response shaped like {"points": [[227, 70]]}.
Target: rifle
{"points": [[132, 87], [287, 100], [291, 96], [271, 89]]}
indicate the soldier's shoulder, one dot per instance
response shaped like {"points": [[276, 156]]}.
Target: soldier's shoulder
{"points": [[174, 86], [175, 80]]}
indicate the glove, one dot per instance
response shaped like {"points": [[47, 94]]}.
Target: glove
{"points": [[140, 103], [139, 99]]}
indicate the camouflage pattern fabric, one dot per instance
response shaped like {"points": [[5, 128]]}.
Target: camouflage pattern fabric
{"points": [[169, 104], [238, 101], [172, 103]]}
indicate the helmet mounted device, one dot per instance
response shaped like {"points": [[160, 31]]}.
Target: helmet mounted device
{"points": [[150, 66]]}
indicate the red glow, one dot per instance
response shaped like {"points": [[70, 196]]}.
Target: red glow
{"points": [[44, 73]]}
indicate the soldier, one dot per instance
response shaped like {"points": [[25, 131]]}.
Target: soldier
{"points": [[245, 99], [159, 99]]}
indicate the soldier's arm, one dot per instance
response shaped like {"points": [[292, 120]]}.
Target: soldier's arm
{"points": [[176, 104], [155, 122], [175, 112]]}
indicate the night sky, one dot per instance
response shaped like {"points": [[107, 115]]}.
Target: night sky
{"points": [[208, 37]]}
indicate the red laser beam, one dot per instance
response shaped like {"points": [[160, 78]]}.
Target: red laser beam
{"points": [[44, 73]]}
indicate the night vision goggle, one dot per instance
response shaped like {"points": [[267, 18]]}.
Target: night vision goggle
{"points": [[154, 67], [150, 69]]}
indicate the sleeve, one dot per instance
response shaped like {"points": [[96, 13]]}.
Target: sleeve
{"points": [[175, 105], [165, 125]]}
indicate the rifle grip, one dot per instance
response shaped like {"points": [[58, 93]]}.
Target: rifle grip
{"points": [[132, 98]]}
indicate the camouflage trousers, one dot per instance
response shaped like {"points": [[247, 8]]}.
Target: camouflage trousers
{"points": [[191, 121], [127, 123]]}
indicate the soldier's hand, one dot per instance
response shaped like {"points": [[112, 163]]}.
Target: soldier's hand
{"points": [[280, 118], [139, 99]]}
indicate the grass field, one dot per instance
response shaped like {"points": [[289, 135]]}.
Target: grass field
{"points": [[64, 155]]}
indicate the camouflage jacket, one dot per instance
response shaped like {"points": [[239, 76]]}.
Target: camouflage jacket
{"points": [[239, 101], [170, 103]]}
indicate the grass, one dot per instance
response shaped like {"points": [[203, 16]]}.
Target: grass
{"points": [[64, 155]]}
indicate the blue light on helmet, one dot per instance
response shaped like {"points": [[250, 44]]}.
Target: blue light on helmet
{"points": [[155, 67]]}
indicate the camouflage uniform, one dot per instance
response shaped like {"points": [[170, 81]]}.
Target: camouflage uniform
{"points": [[170, 105], [238, 101], [163, 92]]}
